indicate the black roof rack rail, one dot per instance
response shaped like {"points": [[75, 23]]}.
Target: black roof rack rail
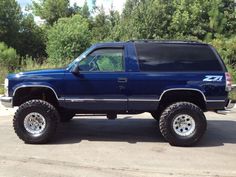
{"points": [[166, 41]]}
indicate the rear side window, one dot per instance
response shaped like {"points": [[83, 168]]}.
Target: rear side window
{"points": [[176, 57]]}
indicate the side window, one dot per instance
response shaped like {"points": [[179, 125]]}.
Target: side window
{"points": [[176, 57], [103, 60]]}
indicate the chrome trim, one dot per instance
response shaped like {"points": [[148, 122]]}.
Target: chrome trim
{"points": [[25, 86], [182, 89], [144, 99], [101, 99], [92, 99], [215, 101], [133, 99]]}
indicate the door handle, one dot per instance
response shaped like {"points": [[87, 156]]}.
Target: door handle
{"points": [[122, 80]]}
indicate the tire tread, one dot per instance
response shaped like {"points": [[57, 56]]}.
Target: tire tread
{"points": [[165, 129], [52, 113]]}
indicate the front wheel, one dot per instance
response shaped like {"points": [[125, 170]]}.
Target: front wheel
{"points": [[182, 124], [35, 121]]}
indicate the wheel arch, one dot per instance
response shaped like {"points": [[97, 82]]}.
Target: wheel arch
{"points": [[24, 93], [192, 95]]}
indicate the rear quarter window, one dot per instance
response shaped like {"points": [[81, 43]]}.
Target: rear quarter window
{"points": [[176, 57]]}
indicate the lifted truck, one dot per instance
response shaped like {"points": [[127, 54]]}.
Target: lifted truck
{"points": [[176, 81]]}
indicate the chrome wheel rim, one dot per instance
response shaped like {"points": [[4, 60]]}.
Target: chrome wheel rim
{"points": [[34, 123], [184, 125]]}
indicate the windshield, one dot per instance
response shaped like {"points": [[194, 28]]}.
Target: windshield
{"points": [[79, 58]]}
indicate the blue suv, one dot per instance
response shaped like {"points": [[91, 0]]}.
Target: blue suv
{"points": [[176, 81]]}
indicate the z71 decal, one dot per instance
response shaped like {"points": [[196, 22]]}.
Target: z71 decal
{"points": [[211, 78]]}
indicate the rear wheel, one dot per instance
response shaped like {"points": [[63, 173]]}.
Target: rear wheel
{"points": [[182, 124], [35, 121]]}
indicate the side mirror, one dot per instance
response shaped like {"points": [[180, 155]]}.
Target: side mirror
{"points": [[75, 70]]}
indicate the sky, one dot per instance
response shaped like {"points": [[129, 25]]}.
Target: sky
{"points": [[117, 4], [107, 4]]}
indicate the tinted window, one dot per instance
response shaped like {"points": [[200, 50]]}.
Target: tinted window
{"points": [[176, 57], [104, 60]]}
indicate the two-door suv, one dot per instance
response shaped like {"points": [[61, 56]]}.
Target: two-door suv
{"points": [[176, 81]]}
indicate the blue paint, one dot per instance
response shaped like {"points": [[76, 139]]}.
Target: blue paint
{"points": [[101, 91]]}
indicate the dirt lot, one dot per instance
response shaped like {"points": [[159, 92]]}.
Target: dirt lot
{"points": [[128, 146]]}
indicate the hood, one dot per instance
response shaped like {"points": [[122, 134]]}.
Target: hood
{"points": [[37, 73]]}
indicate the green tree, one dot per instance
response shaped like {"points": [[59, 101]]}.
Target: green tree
{"points": [[31, 38], [145, 19], [114, 18], [8, 57], [100, 26], [85, 10], [10, 16], [222, 18], [187, 19], [51, 10], [217, 19], [227, 49], [176, 19], [67, 39], [228, 7]]}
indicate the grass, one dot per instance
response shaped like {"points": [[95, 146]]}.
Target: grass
{"points": [[233, 94], [32, 65], [1, 90]]}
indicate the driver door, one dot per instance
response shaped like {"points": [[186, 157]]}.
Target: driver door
{"points": [[101, 83]]}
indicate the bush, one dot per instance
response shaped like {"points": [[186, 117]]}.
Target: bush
{"points": [[30, 64], [67, 39], [8, 57], [3, 74], [227, 49]]}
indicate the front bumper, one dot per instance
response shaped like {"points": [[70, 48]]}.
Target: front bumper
{"points": [[6, 101]]}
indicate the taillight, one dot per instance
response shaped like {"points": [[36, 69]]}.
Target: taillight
{"points": [[228, 82]]}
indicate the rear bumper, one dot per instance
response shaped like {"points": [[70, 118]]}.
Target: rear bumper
{"points": [[6, 101], [228, 109], [231, 103]]}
